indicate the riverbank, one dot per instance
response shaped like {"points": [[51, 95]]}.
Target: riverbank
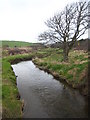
{"points": [[74, 73], [44, 96], [11, 104]]}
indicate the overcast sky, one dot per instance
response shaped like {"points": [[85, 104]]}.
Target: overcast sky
{"points": [[23, 20]]}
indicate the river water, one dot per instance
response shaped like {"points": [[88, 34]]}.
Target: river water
{"points": [[44, 96]]}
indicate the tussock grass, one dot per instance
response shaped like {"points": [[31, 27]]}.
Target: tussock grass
{"points": [[72, 70]]}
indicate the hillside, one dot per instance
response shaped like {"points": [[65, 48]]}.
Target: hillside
{"points": [[79, 45], [16, 44], [19, 47]]}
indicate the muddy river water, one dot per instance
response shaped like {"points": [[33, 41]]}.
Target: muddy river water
{"points": [[44, 96]]}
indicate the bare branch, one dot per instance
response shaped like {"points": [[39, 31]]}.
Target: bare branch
{"points": [[67, 26]]}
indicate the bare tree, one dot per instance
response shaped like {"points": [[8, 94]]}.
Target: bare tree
{"points": [[67, 26]]}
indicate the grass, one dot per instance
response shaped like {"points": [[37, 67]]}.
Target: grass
{"points": [[17, 58], [0, 43], [0, 87], [74, 71], [13, 44], [11, 105]]}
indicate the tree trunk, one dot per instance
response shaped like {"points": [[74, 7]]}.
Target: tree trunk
{"points": [[65, 51], [65, 55]]}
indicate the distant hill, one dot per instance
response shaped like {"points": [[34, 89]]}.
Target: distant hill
{"points": [[15, 44], [79, 45]]}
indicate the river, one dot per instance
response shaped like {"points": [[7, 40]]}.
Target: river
{"points": [[44, 96]]}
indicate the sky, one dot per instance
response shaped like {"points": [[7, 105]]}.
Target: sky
{"points": [[24, 20]]}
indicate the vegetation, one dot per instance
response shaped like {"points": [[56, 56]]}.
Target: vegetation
{"points": [[67, 26], [0, 43], [74, 72], [10, 101], [11, 105], [16, 44], [0, 79], [0, 86]]}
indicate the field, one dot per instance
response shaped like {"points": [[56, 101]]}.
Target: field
{"points": [[16, 44]]}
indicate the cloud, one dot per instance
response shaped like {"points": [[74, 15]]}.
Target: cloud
{"points": [[24, 19]]}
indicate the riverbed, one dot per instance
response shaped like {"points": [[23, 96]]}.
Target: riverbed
{"points": [[46, 97]]}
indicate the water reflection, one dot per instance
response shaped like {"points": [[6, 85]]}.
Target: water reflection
{"points": [[46, 97]]}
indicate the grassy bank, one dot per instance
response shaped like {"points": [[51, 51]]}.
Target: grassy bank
{"points": [[13, 44], [74, 72], [12, 106]]}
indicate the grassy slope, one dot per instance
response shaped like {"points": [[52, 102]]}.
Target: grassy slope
{"points": [[16, 43], [11, 105], [74, 71]]}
